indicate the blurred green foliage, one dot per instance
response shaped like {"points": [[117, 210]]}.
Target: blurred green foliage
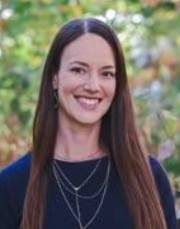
{"points": [[149, 33]]}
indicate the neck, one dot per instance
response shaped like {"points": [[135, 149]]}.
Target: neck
{"points": [[78, 143]]}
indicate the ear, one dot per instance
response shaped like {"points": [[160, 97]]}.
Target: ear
{"points": [[55, 82]]}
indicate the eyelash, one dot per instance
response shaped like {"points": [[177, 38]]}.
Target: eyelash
{"points": [[108, 74], [77, 70]]}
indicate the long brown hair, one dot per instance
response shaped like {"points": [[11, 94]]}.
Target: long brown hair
{"points": [[118, 134]]}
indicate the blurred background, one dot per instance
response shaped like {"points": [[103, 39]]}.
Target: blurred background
{"points": [[149, 31]]}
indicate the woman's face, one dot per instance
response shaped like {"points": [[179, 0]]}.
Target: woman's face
{"points": [[86, 80]]}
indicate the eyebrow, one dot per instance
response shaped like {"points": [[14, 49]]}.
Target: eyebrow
{"points": [[86, 65]]}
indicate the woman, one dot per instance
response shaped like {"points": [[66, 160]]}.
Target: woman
{"points": [[86, 168]]}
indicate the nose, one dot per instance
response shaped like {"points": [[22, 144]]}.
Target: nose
{"points": [[92, 83]]}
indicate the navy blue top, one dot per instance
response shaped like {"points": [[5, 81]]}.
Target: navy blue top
{"points": [[113, 213]]}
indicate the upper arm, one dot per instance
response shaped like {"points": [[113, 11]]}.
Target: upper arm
{"points": [[165, 192], [13, 183], [7, 210]]}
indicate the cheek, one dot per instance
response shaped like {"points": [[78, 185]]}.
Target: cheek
{"points": [[68, 82], [111, 88], [65, 90], [66, 85]]}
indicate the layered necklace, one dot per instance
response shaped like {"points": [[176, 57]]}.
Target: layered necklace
{"points": [[65, 184]]}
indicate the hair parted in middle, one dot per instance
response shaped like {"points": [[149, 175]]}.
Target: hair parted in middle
{"points": [[118, 135]]}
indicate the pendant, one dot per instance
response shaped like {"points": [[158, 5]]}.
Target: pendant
{"points": [[76, 189]]}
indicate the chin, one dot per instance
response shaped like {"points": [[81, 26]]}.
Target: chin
{"points": [[88, 120]]}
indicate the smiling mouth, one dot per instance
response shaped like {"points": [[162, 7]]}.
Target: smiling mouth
{"points": [[87, 102]]}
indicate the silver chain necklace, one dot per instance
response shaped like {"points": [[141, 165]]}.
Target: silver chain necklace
{"points": [[81, 196], [84, 182], [81, 185], [76, 189]]}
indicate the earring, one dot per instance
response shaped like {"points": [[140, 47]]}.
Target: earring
{"points": [[56, 99]]}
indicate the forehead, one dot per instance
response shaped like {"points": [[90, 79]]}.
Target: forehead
{"points": [[89, 48]]}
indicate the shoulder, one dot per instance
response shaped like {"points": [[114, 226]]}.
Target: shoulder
{"points": [[156, 166], [164, 189], [15, 177], [161, 178], [18, 169], [159, 172], [13, 183]]}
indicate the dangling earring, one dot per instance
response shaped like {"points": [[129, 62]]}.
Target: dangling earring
{"points": [[56, 99]]}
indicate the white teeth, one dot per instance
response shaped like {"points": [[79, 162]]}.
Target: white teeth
{"points": [[88, 101]]}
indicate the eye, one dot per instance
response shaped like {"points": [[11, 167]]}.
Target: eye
{"points": [[108, 74], [78, 70]]}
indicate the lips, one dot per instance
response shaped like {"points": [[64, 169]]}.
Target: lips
{"points": [[89, 103]]}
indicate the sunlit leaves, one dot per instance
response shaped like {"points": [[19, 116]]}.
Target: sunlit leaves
{"points": [[149, 33]]}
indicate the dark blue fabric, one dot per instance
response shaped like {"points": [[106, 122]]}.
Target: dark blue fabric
{"points": [[113, 214]]}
